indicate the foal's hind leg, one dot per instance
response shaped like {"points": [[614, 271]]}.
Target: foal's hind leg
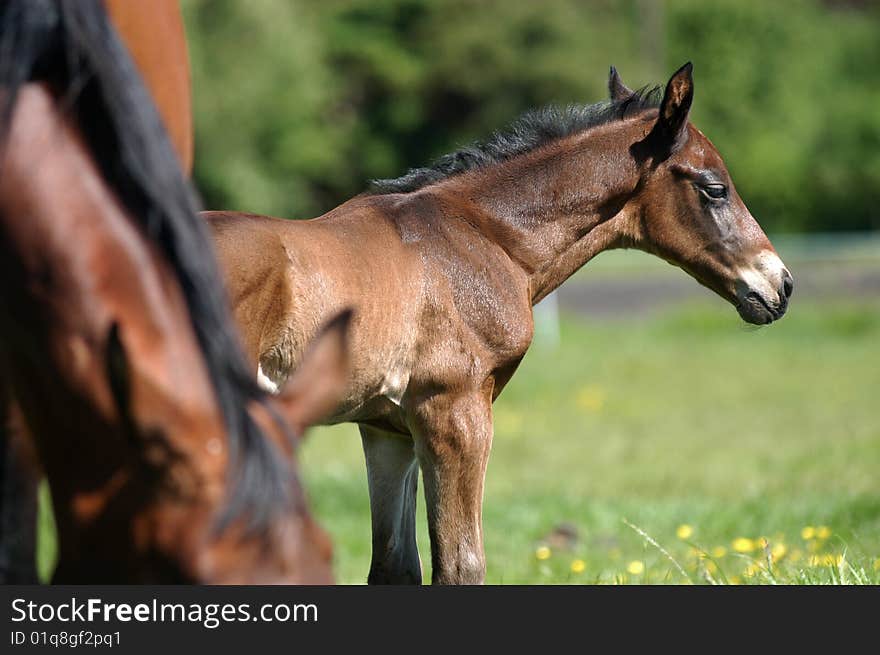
{"points": [[18, 505], [392, 473]]}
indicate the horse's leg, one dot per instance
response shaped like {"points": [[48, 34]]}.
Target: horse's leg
{"points": [[18, 504], [453, 436], [393, 474]]}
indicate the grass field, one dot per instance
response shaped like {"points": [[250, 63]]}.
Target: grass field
{"points": [[707, 436], [746, 456]]}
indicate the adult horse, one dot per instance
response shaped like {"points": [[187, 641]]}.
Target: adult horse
{"points": [[445, 264], [165, 461], [154, 35]]}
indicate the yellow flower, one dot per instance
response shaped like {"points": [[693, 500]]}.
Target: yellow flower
{"points": [[735, 579], [826, 560], [591, 398], [542, 552], [761, 542], [796, 555], [752, 569], [778, 551], [877, 564], [808, 532], [711, 567], [636, 567], [743, 545], [719, 551], [823, 532], [684, 531], [578, 566]]}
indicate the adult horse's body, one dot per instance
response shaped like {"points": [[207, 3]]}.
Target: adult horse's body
{"points": [[445, 264], [165, 462], [153, 33]]}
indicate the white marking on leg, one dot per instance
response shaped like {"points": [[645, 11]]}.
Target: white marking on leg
{"points": [[394, 386]]}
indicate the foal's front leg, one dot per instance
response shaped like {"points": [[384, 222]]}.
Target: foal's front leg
{"points": [[453, 437]]}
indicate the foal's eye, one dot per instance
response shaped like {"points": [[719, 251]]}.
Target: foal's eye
{"points": [[714, 191]]}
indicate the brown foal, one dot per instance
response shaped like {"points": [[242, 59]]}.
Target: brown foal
{"points": [[165, 462], [444, 266]]}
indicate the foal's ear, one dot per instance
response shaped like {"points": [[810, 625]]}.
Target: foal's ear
{"points": [[671, 127], [618, 90], [313, 390]]}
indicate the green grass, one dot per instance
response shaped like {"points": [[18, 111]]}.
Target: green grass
{"points": [[688, 419]]}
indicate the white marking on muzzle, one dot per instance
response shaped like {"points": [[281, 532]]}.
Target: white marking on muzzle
{"points": [[763, 277]]}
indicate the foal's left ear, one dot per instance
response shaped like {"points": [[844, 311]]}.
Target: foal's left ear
{"points": [[671, 127]]}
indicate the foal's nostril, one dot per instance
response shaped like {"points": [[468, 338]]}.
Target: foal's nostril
{"points": [[787, 285]]}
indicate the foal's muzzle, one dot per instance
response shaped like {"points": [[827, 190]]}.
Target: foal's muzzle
{"points": [[763, 290]]}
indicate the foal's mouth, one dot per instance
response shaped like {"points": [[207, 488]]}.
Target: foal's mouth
{"points": [[751, 305], [754, 308]]}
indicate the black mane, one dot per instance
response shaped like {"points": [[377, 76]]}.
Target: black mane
{"points": [[532, 130], [73, 46]]}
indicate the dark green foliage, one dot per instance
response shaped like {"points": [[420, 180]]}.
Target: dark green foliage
{"points": [[299, 104]]}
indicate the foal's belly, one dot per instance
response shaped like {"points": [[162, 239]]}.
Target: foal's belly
{"points": [[375, 398], [378, 412]]}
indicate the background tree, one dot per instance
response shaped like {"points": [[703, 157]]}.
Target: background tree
{"points": [[299, 104]]}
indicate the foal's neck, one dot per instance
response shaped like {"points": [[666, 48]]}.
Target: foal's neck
{"points": [[554, 209]]}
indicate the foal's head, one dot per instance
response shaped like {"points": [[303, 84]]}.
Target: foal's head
{"points": [[690, 214]]}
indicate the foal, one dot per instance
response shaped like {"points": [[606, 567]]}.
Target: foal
{"points": [[165, 462], [445, 264]]}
